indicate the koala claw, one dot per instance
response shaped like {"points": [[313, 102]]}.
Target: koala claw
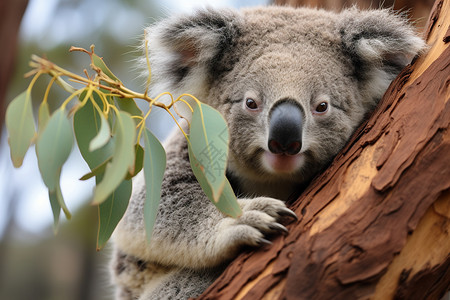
{"points": [[286, 212], [280, 228], [270, 206], [263, 242]]}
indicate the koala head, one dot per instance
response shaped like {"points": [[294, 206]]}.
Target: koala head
{"points": [[293, 84]]}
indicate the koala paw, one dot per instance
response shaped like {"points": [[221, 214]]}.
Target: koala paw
{"points": [[273, 207], [259, 218]]}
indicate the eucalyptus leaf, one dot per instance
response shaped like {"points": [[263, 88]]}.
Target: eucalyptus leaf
{"points": [[56, 209], [102, 137], [99, 63], [57, 203], [111, 212], [86, 124], [209, 145], [20, 125], [61, 202], [43, 115], [53, 148], [123, 157], [227, 202], [96, 171], [138, 161], [130, 106], [154, 167]]}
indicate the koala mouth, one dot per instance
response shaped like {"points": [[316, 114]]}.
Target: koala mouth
{"points": [[282, 163]]}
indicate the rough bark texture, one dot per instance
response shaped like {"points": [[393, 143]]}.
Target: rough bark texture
{"points": [[376, 223], [11, 12]]}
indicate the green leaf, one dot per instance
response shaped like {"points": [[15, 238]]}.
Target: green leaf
{"points": [[154, 167], [96, 171], [122, 158], [209, 144], [43, 116], [103, 136], [55, 196], [111, 211], [86, 124], [129, 105], [99, 63], [138, 161], [56, 208], [57, 203], [20, 125], [53, 148], [227, 202]]}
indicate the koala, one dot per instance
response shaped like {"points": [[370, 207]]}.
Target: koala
{"points": [[293, 84]]}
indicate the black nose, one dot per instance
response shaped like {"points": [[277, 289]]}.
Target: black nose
{"points": [[285, 128]]}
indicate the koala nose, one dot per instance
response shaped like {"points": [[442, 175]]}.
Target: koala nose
{"points": [[285, 128]]}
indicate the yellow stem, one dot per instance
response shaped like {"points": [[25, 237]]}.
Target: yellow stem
{"points": [[63, 106], [46, 66], [105, 102], [147, 84], [141, 124], [185, 102], [117, 89], [137, 117], [94, 103], [178, 124], [113, 108], [87, 97], [191, 96], [47, 91], [33, 81], [155, 100]]}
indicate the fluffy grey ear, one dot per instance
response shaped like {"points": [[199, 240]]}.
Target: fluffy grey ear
{"points": [[185, 50], [380, 44]]}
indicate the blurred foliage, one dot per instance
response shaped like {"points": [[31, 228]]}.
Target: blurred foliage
{"points": [[62, 267], [67, 266]]}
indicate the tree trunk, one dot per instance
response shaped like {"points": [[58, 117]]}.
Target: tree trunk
{"points": [[11, 12], [376, 223]]}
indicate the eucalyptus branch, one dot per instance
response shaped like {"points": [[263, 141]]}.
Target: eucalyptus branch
{"points": [[109, 128]]}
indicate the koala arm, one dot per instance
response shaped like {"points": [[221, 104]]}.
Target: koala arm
{"points": [[189, 230]]}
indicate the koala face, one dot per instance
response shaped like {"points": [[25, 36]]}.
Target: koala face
{"points": [[289, 110], [293, 84]]}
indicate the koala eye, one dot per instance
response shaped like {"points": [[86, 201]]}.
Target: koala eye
{"points": [[321, 108], [251, 104]]}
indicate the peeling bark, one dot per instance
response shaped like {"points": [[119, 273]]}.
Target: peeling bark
{"points": [[376, 223]]}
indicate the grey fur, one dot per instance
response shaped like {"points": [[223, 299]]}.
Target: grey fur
{"points": [[269, 55]]}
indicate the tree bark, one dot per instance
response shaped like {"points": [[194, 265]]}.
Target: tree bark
{"points": [[376, 223], [11, 12]]}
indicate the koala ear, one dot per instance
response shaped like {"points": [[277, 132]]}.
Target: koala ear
{"points": [[380, 44], [185, 50]]}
